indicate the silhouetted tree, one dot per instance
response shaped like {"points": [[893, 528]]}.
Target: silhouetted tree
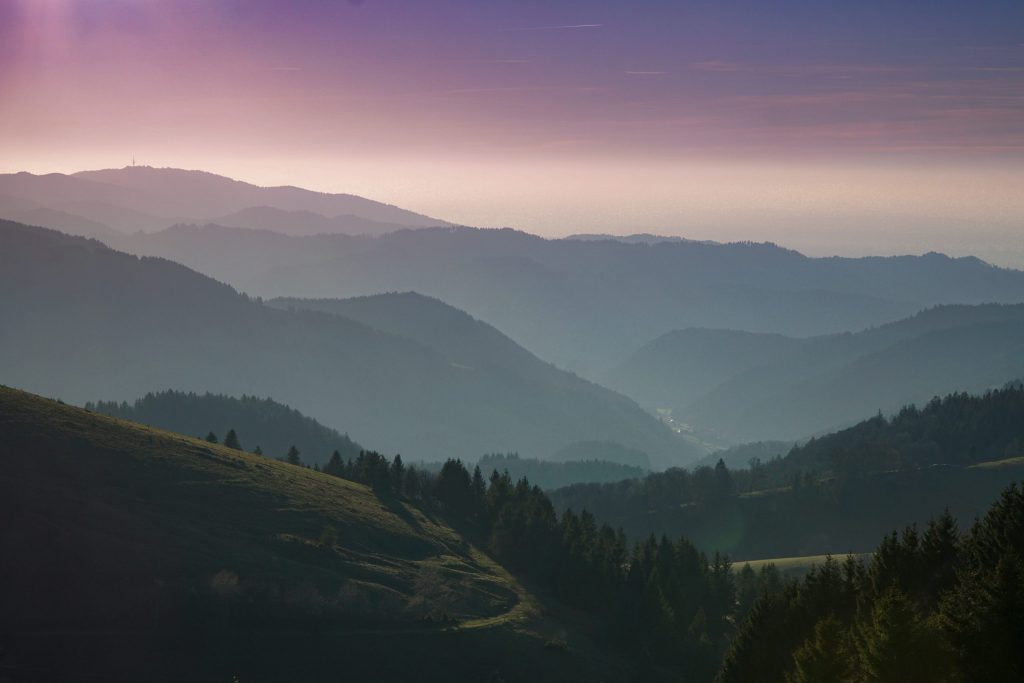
{"points": [[335, 467], [825, 656], [479, 488], [293, 456], [453, 488], [231, 440], [397, 474]]}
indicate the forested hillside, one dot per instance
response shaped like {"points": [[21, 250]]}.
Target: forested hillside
{"points": [[836, 493], [933, 605], [259, 424]]}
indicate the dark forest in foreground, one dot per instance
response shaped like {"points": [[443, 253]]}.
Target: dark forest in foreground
{"points": [[204, 552]]}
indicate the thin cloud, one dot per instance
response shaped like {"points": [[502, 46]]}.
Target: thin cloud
{"points": [[836, 70], [524, 88], [562, 27]]}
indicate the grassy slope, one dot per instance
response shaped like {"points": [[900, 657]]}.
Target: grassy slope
{"points": [[116, 528]]}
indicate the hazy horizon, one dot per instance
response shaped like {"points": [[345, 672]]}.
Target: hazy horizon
{"points": [[857, 213], [828, 129]]}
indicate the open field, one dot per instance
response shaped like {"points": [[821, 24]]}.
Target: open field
{"points": [[796, 566]]}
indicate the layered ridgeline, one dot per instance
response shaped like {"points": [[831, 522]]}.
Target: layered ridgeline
{"points": [[587, 305], [131, 552], [836, 494], [90, 321], [260, 424], [104, 203], [740, 386]]}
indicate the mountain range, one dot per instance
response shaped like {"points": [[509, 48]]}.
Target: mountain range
{"points": [[587, 305], [89, 321]]}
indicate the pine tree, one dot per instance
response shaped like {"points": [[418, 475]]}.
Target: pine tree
{"points": [[231, 440], [335, 467], [825, 656], [397, 474], [411, 483], [293, 456], [479, 487], [257, 450], [211, 437], [897, 645]]}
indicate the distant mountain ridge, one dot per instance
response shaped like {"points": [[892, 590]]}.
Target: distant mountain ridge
{"points": [[91, 321], [305, 222], [587, 305], [748, 386], [473, 346], [635, 238], [142, 198]]}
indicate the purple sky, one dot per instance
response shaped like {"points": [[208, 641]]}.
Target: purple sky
{"points": [[833, 126]]}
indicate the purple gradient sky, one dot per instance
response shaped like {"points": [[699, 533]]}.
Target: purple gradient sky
{"points": [[847, 127]]}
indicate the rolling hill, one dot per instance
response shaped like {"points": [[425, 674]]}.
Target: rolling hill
{"points": [[746, 387], [145, 553], [587, 305], [91, 321]]}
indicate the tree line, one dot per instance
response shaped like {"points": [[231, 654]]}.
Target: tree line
{"points": [[266, 425]]}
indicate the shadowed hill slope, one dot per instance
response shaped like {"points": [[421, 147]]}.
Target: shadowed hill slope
{"points": [[126, 549]]}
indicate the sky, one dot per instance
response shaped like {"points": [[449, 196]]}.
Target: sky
{"points": [[832, 127]]}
